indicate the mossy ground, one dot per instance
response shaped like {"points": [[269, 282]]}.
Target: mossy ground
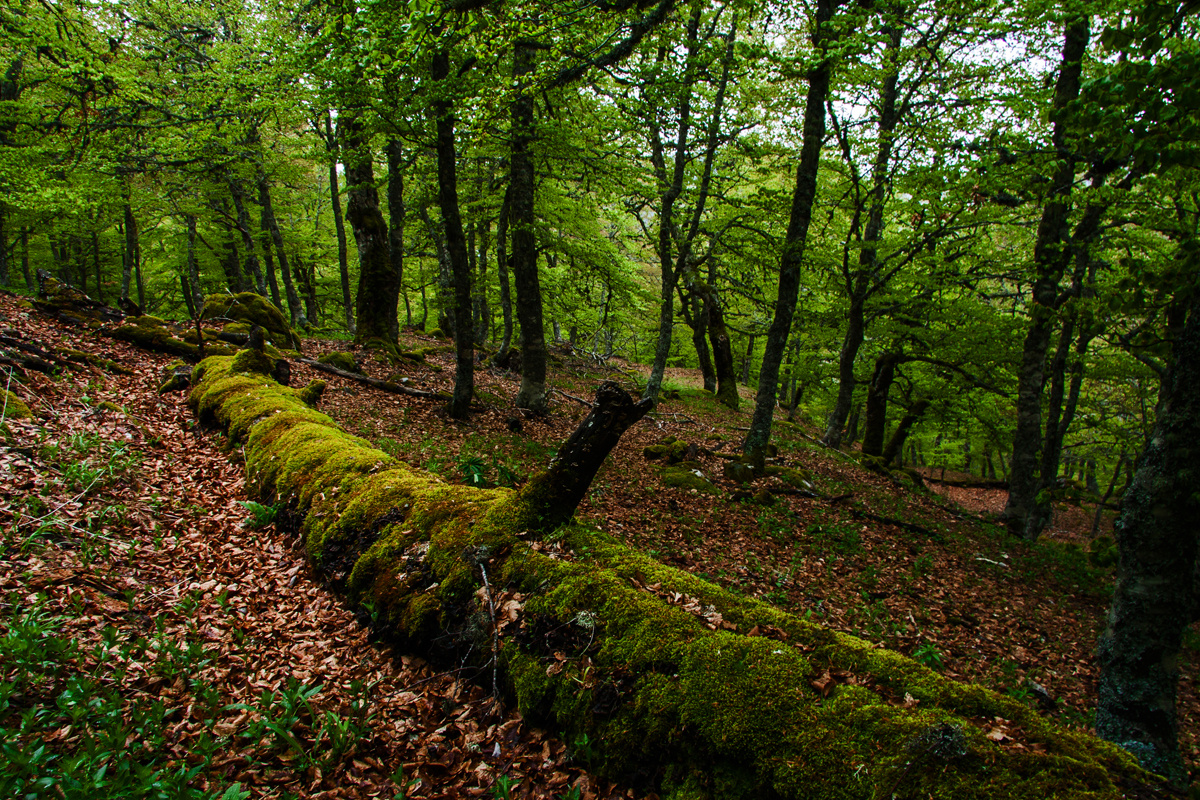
{"points": [[656, 663]]}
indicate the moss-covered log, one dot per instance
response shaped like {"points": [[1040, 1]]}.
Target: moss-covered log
{"points": [[678, 684]]}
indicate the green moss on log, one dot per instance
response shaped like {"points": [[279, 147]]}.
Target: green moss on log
{"points": [[13, 407], [685, 687], [252, 309]]}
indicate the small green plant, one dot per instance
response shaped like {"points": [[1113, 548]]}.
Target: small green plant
{"points": [[922, 566], [474, 471], [928, 654], [502, 788], [260, 515], [571, 794]]}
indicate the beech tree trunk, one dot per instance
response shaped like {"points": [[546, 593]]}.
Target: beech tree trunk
{"points": [[339, 224], [506, 309], [895, 444], [193, 269], [718, 336], [522, 180], [877, 402], [378, 290], [243, 223], [456, 243], [130, 255], [295, 312], [1157, 594], [1050, 258], [795, 241]]}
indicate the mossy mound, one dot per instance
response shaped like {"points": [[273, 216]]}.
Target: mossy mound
{"points": [[725, 696], [670, 449], [341, 360], [13, 406], [688, 476], [252, 309], [156, 337]]}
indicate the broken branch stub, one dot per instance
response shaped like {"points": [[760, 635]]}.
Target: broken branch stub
{"points": [[554, 495]]}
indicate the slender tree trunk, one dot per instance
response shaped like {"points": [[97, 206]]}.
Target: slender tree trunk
{"points": [[696, 316], [1050, 257], [378, 291], [96, 266], [295, 312], [506, 309], [243, 223], [4, 260], [193, 270], [456, 243], [269, 260], [339, 224], [718, 336], [483, 312], [396, 209], [877, 402], [1157, 594], [855, 333], [30, 283], [795, 241], [860, 283], [131, 251], [748, 359], [532, 394]]}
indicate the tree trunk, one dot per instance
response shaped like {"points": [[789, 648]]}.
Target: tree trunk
{"points": [[131, 251], [339, 224], [696, 316], [269, 261], [1050, 256], [795, 241], [855, 333], [96, 267], [456, 243], [506, 309], [877, 402], [30, 283], [727, 385], [396, 211], [748, 359], [243, 223], [483, 312], [1157, 595], [193, 270], [896, 443], [295, 312], [532, 394], [3, 245], [378, 291]]}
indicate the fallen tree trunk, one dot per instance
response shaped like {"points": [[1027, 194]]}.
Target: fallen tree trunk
{"points": [[684, 688]]}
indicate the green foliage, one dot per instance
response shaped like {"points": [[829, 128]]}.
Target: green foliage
{"points": [[928, 654], [260, 515]]}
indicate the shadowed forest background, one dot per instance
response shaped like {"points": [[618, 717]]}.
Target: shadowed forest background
{"points": [[914, 286]]}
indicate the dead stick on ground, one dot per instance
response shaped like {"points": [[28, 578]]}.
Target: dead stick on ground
{"points": [[587, 403], [375, 383]]}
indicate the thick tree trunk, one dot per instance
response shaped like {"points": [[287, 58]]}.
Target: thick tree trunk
{"points": [[456, 243], [697, 319], [877, 402], [727, 384], [378, 291], [522, 181], [339, 224], [396, 211], [795, 241], [1157, 595], [243, 224], [1050, 258], [896, 443]]}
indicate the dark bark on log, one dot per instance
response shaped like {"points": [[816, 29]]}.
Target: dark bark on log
{"points": [[558, 491]]}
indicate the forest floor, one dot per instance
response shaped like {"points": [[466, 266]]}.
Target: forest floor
{"points": [[124, 532]]}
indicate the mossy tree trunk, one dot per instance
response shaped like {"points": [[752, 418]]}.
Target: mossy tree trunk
{"points": [[1157, 594], [712, 696], [378, 290]]}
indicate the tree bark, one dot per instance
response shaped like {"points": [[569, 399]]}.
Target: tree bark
{"points": [[506, 309], [795, 241], [456, 243], [718, 336], [1050, 257], [896, 442], [522, 181], [243, 224], [193, 269], [396, 211], [295, 312], [1157, 596], [877, 402], [131, 251], [855, 333], [378, 291], [339, 224]]}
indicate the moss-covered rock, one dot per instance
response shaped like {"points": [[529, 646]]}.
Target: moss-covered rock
{"points": [[340, 359], [312, 393], [13, 406], [738, 471], [688, 476], [797, 478], [795, 711], [252, 309]]}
